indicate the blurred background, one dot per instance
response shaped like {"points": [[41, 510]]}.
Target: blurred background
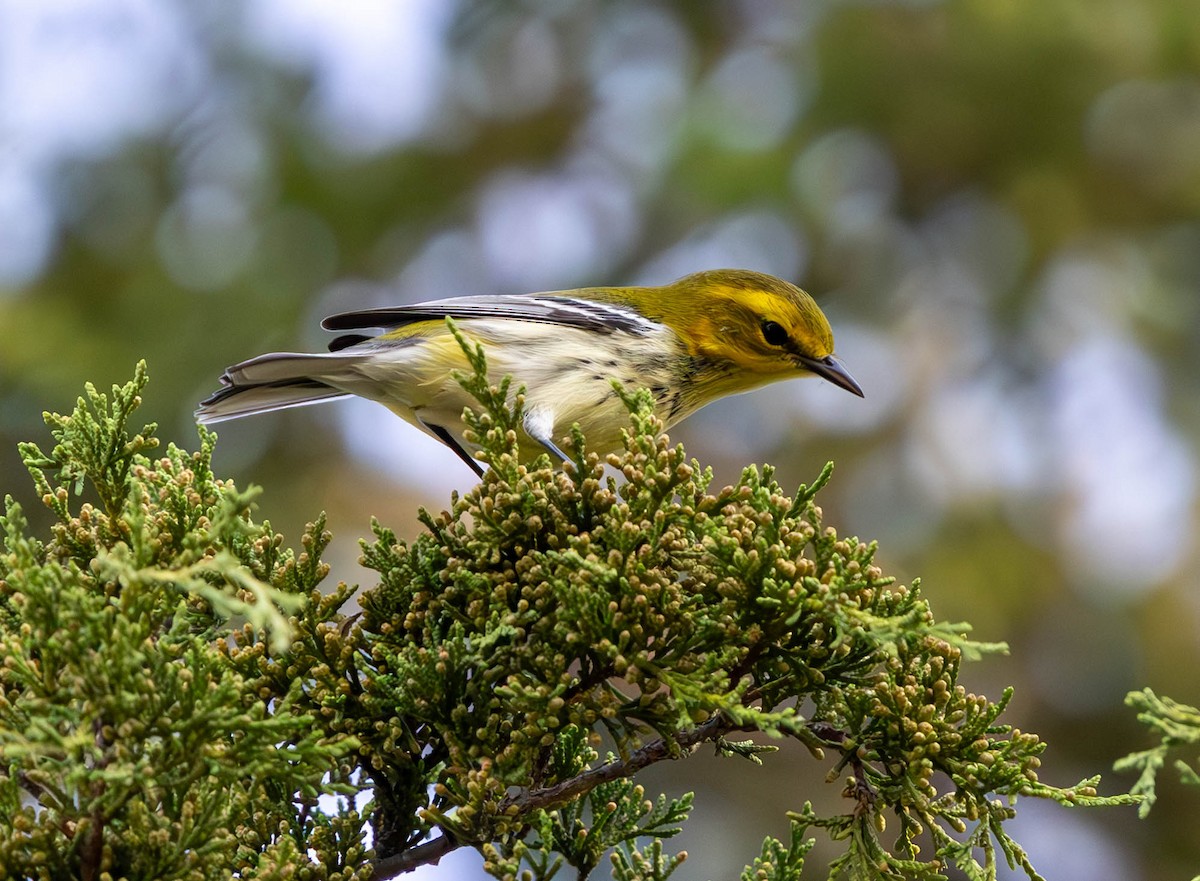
{"points": [[997, 203]]}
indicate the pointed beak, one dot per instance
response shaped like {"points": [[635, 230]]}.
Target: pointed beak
{"points": [[831, 368]]}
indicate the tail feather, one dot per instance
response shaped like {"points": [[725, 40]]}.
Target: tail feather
{"points": [[272, 382]]}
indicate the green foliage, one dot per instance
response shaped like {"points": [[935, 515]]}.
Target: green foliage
{"points": [[649, 864], [177, 691], [611, 816], [779, 861], [130, 745], [546, 603], [1177, 726]]}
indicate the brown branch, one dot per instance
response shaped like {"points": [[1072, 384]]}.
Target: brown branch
{"points": [[428, 854], [561, 793], [91, 847], [35, 789], [528, 800], [860, 789]]}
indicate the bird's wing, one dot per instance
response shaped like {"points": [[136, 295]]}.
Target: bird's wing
{"points": [[561, 309]]}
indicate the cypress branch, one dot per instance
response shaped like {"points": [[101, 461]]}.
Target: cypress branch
{"points": [[207, 688]]}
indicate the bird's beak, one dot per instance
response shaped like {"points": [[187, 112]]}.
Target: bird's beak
{"points": [[831, 368]]}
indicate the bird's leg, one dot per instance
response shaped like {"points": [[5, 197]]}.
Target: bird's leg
{"points": [[539, 425], [448, 439]]}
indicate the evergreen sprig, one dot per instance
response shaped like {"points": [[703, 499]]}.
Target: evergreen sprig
{"points": [[130, 746], [655, 612], [181, 699], [1177, 726]]}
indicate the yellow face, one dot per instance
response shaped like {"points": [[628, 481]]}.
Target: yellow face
{"points": [[764, 332], [762, 327], [756, 321]]}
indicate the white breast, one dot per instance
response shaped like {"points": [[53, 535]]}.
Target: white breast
{"points": [[567, 373]]}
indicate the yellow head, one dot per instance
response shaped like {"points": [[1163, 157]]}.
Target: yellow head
{"points": [[751, 327]]}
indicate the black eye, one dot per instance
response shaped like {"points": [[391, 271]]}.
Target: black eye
{"points": [[774, 334]]}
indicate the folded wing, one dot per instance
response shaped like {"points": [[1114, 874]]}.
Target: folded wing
{"points": [[568, 311]]}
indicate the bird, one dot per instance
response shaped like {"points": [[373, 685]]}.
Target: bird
{"points": [[702, 337]]}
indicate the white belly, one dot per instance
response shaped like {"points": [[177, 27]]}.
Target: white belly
{"points": [[567, 373]]}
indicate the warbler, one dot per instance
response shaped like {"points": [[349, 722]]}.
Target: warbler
{"points": [[690, 342]]}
